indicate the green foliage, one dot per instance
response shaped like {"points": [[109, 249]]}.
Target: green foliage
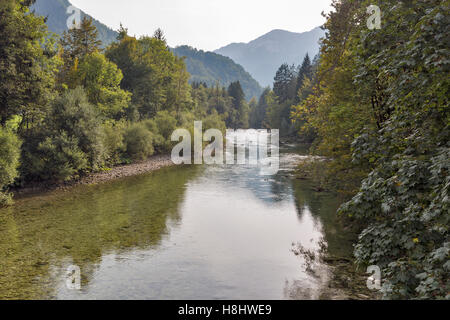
{"points": [[166, 124], [304, 74], [406, 196], [239, 112], [285, 83], [69, 141], [9, 161], [157, 79], [214, 121], [80, 42], [378, 104], [73, 114], [27, 63], [138, 141], [58, 158], [258, 112], [101, 80], [113, 141]]}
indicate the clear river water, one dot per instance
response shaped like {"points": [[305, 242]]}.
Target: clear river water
{"points": [[186, 232]]}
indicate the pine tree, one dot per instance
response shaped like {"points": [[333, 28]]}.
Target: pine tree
{"points": [[304, 71], [79, 42], [122, 32], [159, 34], [239, 112], [283, 83]]}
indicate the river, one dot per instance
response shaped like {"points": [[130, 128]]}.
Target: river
{"points": [[186, 232]]}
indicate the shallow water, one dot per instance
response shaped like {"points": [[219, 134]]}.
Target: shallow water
{"points": [[196, 232]]}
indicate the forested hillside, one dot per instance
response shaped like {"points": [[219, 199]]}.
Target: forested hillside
{"points": [[209, 68], [56, 13]]}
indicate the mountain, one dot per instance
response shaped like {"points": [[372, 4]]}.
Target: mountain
{"points": [[56, 13], [262, 57], [210, 67], [203, 66]]}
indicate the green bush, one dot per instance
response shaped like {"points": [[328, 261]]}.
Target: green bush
{"points": [[58, 158], [166, 124], [113, 141], [159, 143], [73, 114], [9, 161], [69, 141], [214, 121], [138, 141]]}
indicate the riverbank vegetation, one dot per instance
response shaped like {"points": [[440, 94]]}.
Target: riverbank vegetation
{"points": [[376, 105], [70, 107]]}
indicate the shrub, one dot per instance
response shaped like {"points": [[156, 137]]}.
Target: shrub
{"points": [[113, 141], [214, 121], [166, 124], [9, 161], [58, 158], [162, 127], [73, 114], [159, 142], [138, 141], [70, 140]]}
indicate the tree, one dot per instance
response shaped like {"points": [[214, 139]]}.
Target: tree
{"points": [[27, 63], [159, 35], [157, 79], [79, 42], [69, 141], [239, 112], [284, 86], [259, 111], [101, 79], [305, 71]]}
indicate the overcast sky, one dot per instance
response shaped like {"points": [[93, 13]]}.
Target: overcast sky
{"points": [[207, 24]]}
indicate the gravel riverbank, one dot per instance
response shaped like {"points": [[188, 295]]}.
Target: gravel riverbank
{"points": [[151, 164]]}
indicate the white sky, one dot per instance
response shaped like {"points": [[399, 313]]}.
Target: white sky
{"points": [[207, 24]]}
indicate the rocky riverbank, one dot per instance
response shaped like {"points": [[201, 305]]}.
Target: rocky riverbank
{"points": [[151, 164]]}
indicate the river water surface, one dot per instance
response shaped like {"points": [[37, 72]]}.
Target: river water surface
{"points": [[192, 232]]}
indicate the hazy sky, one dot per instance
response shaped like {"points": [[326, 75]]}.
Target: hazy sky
{"points": [[207, 24]]}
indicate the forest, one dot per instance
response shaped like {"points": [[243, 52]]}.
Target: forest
{"points": [[70, 108], [374, 103]]}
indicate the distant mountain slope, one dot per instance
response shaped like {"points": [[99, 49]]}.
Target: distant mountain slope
{"points": [[262, 57], [203, 66], [210, 67], [56, 11]]}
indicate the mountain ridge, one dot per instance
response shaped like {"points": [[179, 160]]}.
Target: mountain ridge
{"points": [[209, 67], [262, 56], [56, 13]]}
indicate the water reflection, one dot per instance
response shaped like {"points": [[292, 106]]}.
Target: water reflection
{"points": [[41, 236], [179, 233]]}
